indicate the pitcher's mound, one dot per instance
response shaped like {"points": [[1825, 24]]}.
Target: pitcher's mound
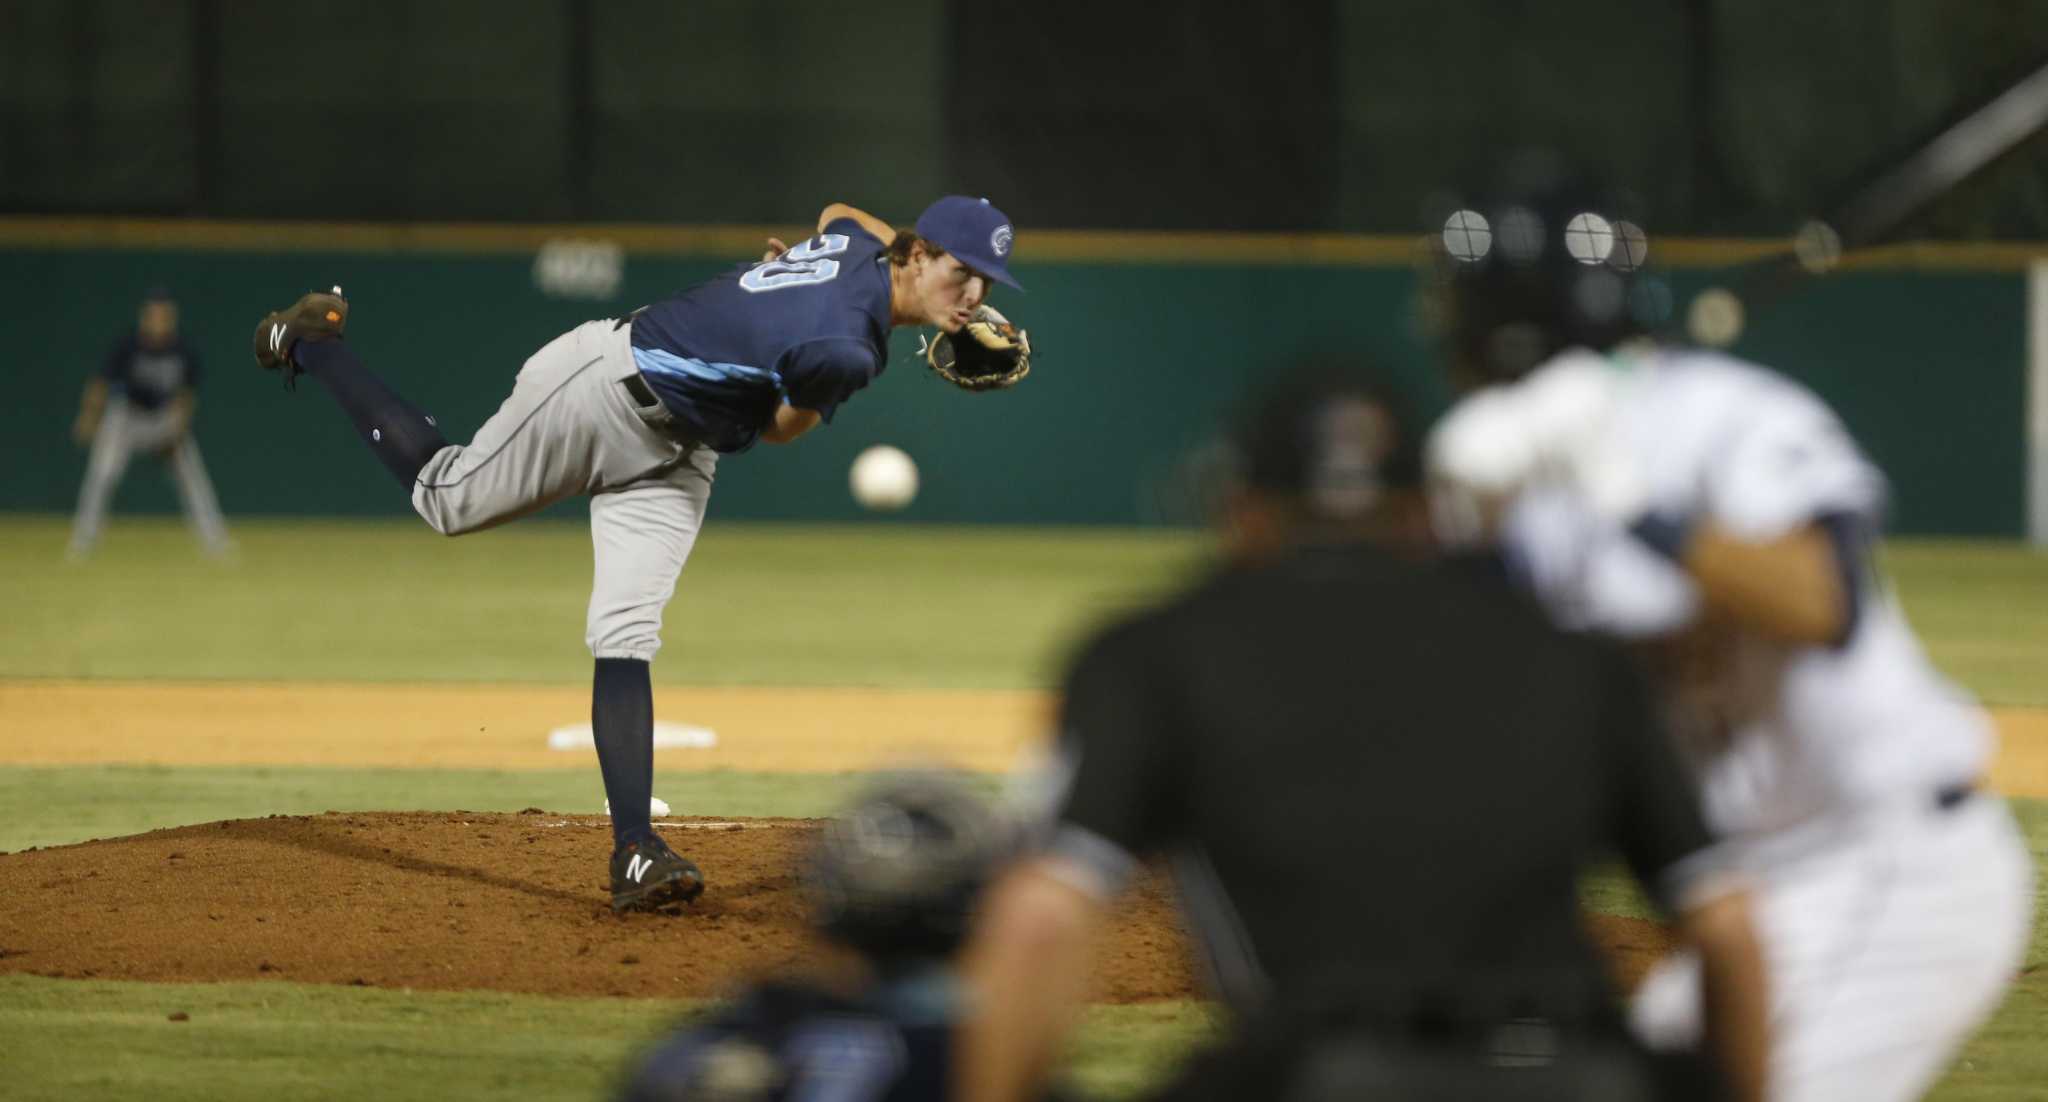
{"points": [[451, 901], [476, 901]]}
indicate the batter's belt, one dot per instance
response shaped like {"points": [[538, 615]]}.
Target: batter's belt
{"points": [[1950, 797]]}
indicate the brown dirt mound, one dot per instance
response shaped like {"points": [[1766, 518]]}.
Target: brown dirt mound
{"points": [[448, 901], [459, 900]]}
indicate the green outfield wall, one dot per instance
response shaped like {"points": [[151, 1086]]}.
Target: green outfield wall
{"points": [[1142, 347]]}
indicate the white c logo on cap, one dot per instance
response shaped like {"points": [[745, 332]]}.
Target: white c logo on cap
{"points": [[1000, 240]]}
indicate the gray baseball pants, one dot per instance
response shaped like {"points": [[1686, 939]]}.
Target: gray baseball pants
{"points": [[125, 429], [571, 427]]}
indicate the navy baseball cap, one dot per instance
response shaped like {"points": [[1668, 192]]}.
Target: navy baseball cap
{"points": [[973, 230]]}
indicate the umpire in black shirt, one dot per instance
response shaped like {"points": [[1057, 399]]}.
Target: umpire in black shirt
{"points": [[1376, 777]]}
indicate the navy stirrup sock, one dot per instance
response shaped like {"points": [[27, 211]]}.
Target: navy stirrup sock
{"points": [[403, 436], [622, 722]]}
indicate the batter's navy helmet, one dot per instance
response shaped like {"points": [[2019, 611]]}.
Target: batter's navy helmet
{"points": [[897, 874], [1543, 262]]}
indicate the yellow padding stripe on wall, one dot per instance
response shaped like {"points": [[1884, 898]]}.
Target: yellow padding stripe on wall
{"points": [[1036, 246]]}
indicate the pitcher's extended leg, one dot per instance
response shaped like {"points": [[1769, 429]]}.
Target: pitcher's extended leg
{"points": [[401, 435]]}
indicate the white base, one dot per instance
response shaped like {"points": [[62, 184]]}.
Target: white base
{"points": [[656, 807], [667, 736]]}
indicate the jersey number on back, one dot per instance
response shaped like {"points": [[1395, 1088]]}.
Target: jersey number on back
{"points": [[806, 264]]}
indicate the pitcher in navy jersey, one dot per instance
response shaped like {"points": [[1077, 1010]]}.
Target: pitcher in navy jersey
{"points": [[634, 413]]}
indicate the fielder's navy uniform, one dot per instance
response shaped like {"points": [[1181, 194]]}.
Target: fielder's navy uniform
{"points": [[149, 377], [142, 380]]}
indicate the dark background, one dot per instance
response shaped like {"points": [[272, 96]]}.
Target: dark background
{"points": [[1726, 116]]}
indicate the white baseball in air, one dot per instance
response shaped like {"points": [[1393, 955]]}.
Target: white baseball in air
{"points": [[656, 807], [884, 478]]}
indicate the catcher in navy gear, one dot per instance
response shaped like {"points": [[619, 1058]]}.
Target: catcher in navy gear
{"points": [[894, 880]]}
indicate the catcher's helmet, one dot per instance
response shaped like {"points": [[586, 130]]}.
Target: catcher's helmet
{"points": [[1543, 263], [896, 875]]}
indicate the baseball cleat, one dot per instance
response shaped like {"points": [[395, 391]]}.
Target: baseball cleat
{"points": [[649, 876], [319, 316]]}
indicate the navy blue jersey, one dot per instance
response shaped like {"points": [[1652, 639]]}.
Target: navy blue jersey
{"points": [[780, 1042], [150, 377], [810, 327]]}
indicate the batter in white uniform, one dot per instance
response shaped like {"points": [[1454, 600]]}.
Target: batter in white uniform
{"points": [[1721, 515]]}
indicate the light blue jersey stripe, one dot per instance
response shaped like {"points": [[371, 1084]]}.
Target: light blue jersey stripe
{"points": [[655, 361]]}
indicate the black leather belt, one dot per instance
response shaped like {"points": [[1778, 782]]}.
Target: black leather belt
{"points": [[1953, 796], [643, 395], [665, 423]]}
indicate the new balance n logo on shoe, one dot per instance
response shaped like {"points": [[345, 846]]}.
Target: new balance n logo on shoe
{"points": [[276, 336], [637, 866]]}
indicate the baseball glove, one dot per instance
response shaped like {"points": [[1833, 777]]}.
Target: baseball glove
{"points": [[988, 353]]}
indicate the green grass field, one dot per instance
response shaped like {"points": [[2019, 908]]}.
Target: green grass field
{"points": [[886, 605], [764, 604], [71, 1039], [882, 605]]}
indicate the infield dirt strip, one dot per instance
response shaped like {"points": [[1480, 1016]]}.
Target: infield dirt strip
{"points": [[471, 726], [458, 900], [467, 726]]}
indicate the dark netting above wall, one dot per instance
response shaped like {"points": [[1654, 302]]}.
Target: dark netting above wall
{"points": [[1724, 117]]}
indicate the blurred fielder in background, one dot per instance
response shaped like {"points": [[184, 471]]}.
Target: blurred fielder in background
{"points": [[1720, 515], [143, 400], [892, 880], [1377, 777], [634, 413]]}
